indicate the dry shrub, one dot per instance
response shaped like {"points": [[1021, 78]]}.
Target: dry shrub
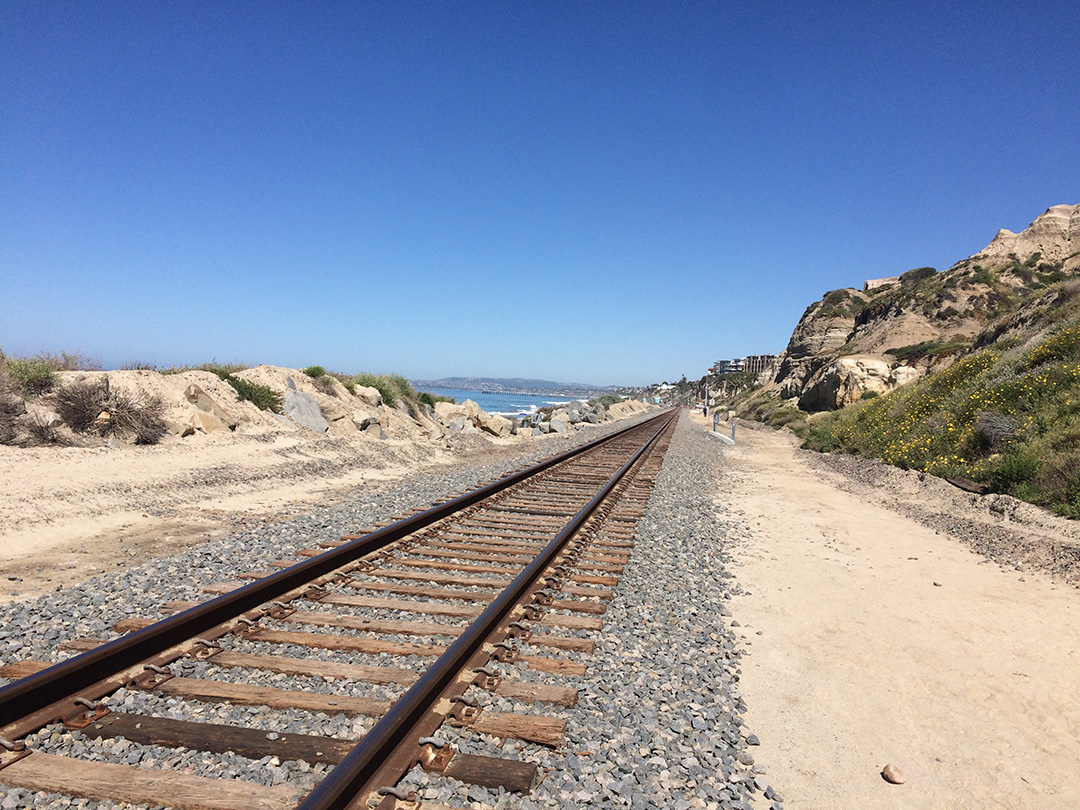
{"points": [[94, 407], [42, 431], [11, 408], [7, 428], [325, 383], [994, 430]]}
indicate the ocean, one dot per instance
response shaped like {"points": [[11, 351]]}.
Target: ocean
{"points": [[505, 404]]}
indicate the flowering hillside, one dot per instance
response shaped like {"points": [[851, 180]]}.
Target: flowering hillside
{"points": [[1007, 414]]}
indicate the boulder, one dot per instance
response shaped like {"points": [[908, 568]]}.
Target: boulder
{"points": [[375, 430], [205, 403], [457, 425], [304, 411], [559, 422], [181, 429], [847, 379], [447, 412], [489, 423], [364, 420], [342, 425], [498, 426], [342, 419], [371, 396], [206, 422]]}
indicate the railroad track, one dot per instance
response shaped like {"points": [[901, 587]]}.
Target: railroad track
{"points": [[413, 631]]}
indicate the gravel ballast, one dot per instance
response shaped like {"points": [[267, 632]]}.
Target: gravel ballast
{"points": [[658, 720]]}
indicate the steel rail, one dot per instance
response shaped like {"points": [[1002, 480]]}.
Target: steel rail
{"points": [[66, 680], [350, 778]]}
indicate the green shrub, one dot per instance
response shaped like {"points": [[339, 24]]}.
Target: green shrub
{"points": [[606, 400], [322, 380], [917, 275], [982, 275], [33, 376], [929, 348], [768, 408], [431, 399], [1004, 416], [1010, 469], [260, 396], [380, 384], [402, 386]]}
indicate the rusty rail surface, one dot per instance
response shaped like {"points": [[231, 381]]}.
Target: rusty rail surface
{"points": [[67, 692], [371, 763]]}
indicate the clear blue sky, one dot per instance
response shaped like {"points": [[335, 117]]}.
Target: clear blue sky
{"points": [[597, 192]]}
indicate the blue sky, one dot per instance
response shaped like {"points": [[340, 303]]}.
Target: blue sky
{"points": [[598, 192]]}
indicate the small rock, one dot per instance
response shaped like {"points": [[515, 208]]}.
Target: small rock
{"points": [[892, 774]]}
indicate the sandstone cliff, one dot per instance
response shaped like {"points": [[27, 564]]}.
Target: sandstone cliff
{"points": [[894, 330]]}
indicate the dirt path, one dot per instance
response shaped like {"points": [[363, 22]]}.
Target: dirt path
{"points": [[883, 641]]}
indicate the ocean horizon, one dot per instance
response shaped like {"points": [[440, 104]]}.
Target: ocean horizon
{"points": [[502, 403]]}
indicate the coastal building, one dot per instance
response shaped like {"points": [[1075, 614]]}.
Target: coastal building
{"points": [[727, 366], [757, 363], [754, 363]]}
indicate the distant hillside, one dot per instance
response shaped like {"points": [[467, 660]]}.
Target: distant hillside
{"points": [[511, 385]]}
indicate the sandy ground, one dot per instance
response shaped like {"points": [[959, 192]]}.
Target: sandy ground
{"points": [[883, 641], [67, 514]]}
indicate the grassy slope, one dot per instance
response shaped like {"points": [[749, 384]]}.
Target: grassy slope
{"points": [[1007, 414]]}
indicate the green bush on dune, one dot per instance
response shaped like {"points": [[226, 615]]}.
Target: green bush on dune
{"points": [[381, 384]]}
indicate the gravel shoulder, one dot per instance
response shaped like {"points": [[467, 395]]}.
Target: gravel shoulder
{"points": [[901, 622]]}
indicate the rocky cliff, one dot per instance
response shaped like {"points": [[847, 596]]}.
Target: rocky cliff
{"points": [[894, 330]]}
